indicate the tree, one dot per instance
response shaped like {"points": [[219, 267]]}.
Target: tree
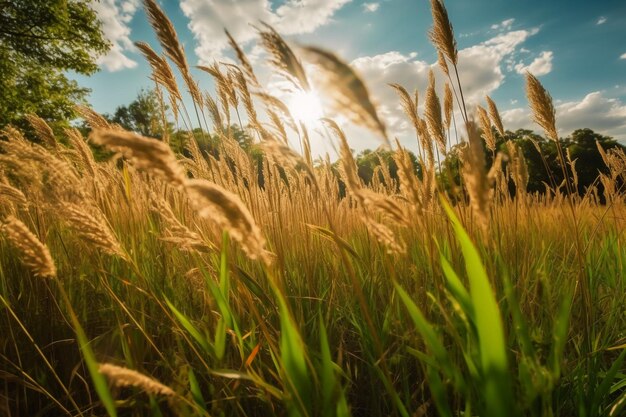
{"points": [[39, 42], [143, 115]]}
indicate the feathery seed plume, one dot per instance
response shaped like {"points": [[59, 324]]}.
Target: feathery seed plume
{"points": [[33, 253], [43, 130], [495, 115], [124, 377], [442, 34], [541, 105], [148, 153], [227, 211]]}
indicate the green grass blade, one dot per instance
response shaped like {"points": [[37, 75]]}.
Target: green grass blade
{"points": [[498, 390], [191, 329]]}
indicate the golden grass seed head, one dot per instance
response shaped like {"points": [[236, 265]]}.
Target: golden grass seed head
{"points": [[33, 253], [124, 377]]}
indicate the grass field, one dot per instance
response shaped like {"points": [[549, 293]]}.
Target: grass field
{"points": [[162, 284]]}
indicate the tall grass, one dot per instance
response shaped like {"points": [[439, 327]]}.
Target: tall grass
{"points": [[162, 284]]}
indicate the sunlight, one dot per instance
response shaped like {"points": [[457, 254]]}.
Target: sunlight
{"points": [[305, 106]]}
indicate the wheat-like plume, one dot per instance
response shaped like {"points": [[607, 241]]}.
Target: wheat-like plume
{"points": [[175, 231], [442, 34], [541, 105], [226, 210], [144, 152], [485, 126], [347, 93], [33, 253], [495, 115], [79, 144], [124, 377], [43, 130], [90, 227], [13, 194], [475, 176], [519, 169], [247, 67], [162, 74], [409, 106], [283, 58], [432, 113], [448, 105], [95, 120], [169, 41]]}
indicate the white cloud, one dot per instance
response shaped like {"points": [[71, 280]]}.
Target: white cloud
{"points": [[623, 56], [115, 16], [208, 18], [601, 20], [595, 111], [480, 70], [371, 7], [542, 65], [504, 25]]}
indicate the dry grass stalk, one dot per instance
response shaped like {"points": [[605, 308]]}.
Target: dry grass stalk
{"points": [[495, 116], [175, 231], [518, 167], [95, 120], [7, 191], [90, 227], [426, 142], [144, 152], [214, 112], [247, 67], [572, 164], [273, 102], [227, 211], [124, 377], [33, 253], [169, 41], [162, 74], [43, 168], [242, 85], [346, 91], [443, 64], [432, 113], [225, 89], [442, 34], [448, 105], [409, 106], [409, 183], [79, 144], [283, 58], [485, 127], [282, 155], [475, 176], [43, 130], [614, 159], [541, 105]]}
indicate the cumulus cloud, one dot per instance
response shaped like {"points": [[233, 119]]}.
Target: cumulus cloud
{"points": [[482, 70], [595, 111], [601, 20], [542, 65], [504, 25], [208, 18], [115, 16], [371, 7], [623, 56]]}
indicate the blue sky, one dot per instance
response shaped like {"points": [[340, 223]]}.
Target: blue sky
{"points": [[577, 49]]}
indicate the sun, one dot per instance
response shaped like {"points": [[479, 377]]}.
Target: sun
{"points": [[305, 106]]}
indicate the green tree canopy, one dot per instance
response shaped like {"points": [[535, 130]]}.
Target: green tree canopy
{"points": [[39, 42]]}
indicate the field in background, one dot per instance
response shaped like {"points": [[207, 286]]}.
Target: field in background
{"points": [[262, 283]]}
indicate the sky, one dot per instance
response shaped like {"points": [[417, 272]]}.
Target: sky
{"points": [[577, 49]]}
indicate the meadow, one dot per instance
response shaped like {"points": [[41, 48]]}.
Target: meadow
{"points": [[155, 283]]}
